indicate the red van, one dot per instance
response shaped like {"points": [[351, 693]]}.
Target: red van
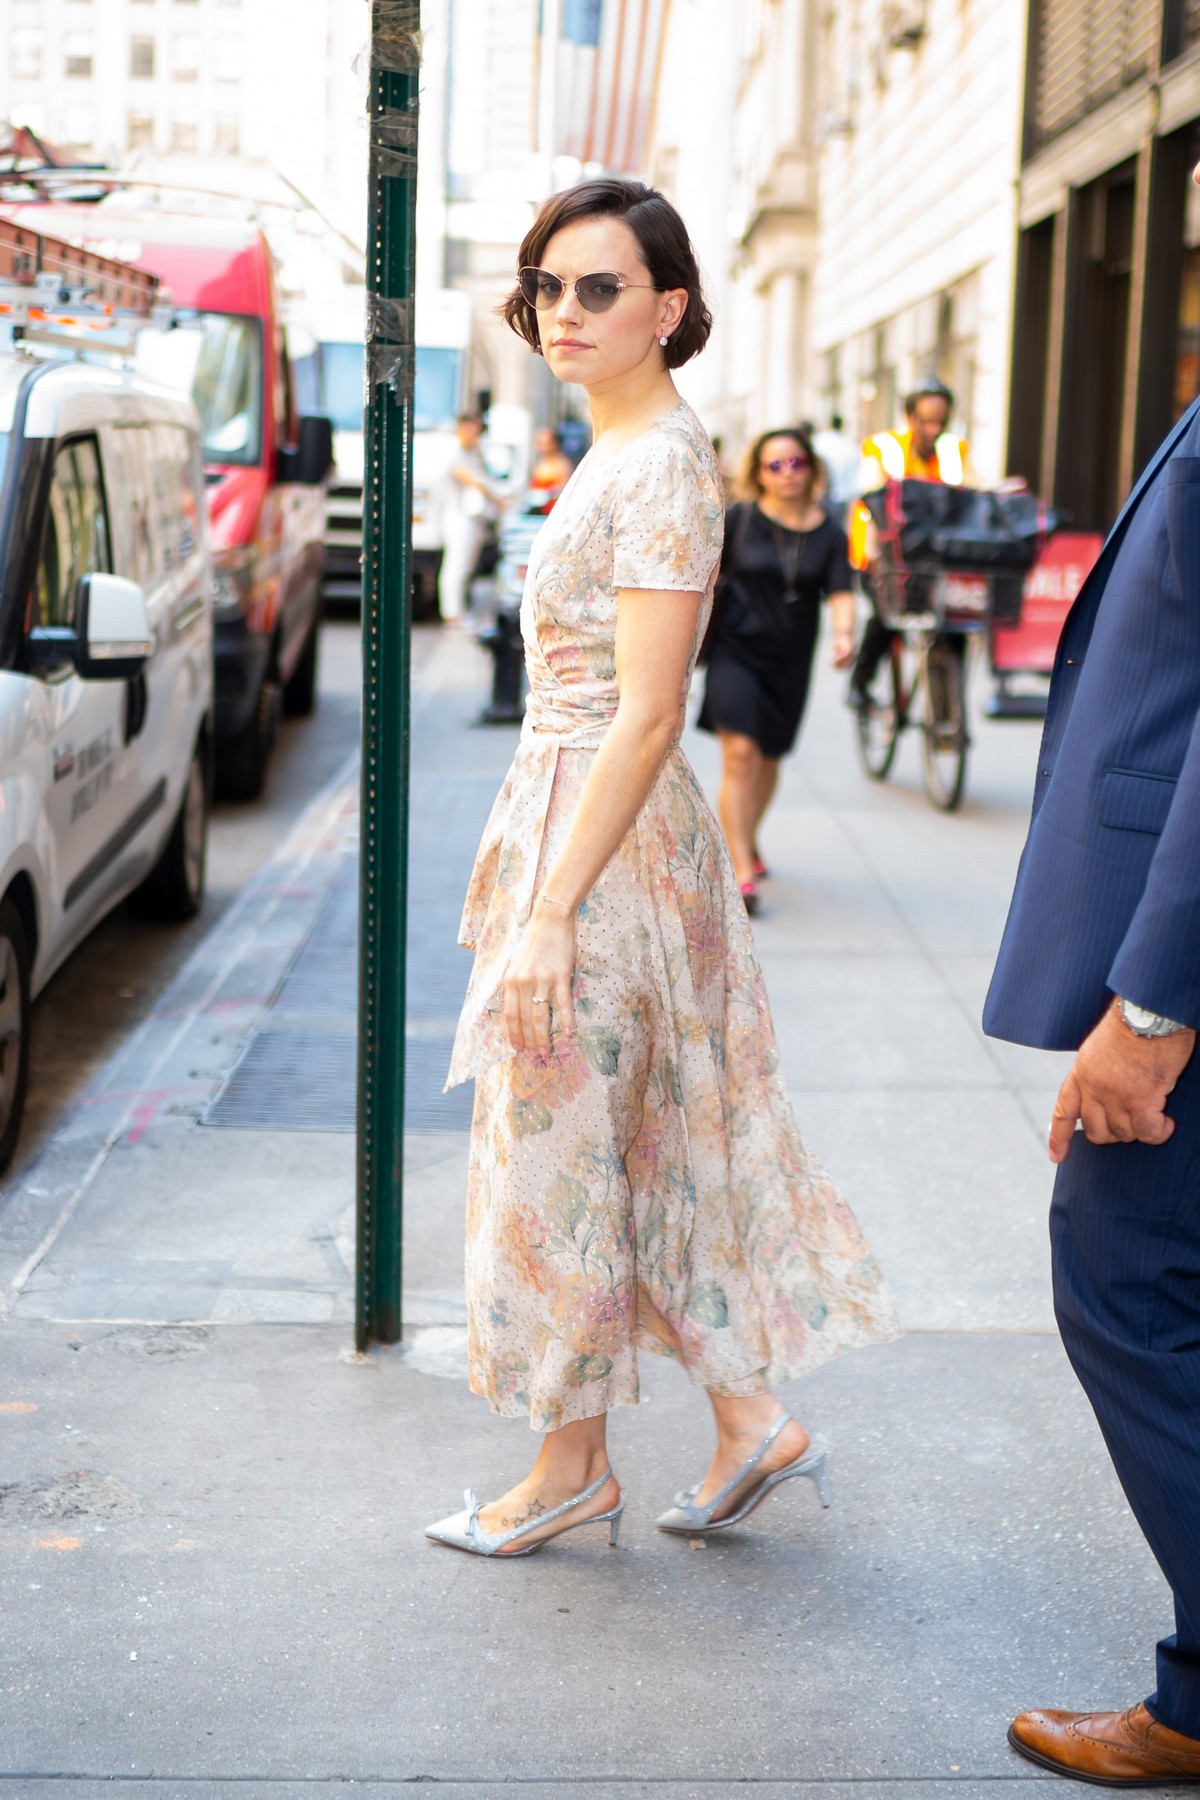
{"points": [[266, 468]]}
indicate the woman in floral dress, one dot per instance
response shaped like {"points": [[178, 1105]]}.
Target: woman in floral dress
{"points": [[637, 1179]]}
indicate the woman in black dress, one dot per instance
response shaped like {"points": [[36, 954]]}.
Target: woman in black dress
{"points": [[782, 557]]}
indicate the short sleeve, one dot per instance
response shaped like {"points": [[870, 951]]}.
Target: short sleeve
{"points": [[837, 578], [668, 521]]}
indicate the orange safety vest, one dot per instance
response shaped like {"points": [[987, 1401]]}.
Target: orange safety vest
{"points": [[890, 456]]}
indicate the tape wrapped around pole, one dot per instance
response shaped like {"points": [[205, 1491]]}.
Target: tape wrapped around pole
{"points": [[396, 40]]}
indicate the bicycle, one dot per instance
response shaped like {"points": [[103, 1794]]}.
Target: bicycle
{"points": [[933, 614]]}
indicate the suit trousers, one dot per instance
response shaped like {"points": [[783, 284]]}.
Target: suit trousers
{"points": [[1125, 1237]]}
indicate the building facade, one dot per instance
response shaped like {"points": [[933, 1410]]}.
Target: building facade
{"points": [[735, 148], [1107, 323], [919, 134], [538, 94], [207, 94]]}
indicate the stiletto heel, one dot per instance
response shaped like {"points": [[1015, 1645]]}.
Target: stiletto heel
{"points": [[691, 1520], [461, 1531]]}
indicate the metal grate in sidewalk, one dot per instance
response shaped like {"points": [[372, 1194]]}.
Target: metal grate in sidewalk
{"points": [[305, 1081], [298, 1071]]}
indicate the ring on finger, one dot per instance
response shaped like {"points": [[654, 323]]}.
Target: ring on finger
{"points": [[543, 1001]]}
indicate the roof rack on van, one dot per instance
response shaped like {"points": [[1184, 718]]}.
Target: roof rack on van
{"points": [[58, 296]]}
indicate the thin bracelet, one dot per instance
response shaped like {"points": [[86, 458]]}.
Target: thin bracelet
{"points": [[551, 901]]}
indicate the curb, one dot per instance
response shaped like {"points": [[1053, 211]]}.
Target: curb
{"points": [[256, 940]]}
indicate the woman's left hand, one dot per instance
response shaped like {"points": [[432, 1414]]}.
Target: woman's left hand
{"points": [[537, 983], [843, 649]]}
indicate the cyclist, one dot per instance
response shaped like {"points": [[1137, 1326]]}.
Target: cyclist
{"points": [[926, 451]]}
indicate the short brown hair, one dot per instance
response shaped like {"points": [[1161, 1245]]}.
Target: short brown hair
{"points": [[662, 239], [750, 482]]}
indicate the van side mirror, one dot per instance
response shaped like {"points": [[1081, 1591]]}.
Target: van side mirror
{"points": [[111, 638], [310, 459]]}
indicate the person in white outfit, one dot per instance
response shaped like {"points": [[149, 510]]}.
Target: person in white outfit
{"points": [[841, 457], [468, 500]]}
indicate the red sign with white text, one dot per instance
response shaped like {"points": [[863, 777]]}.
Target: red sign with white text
{"points": [[1050, 589]]}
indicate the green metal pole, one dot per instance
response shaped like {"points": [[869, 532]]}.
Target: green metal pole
{"points": [[386, 629]]}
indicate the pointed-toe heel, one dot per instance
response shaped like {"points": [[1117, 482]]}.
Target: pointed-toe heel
{"points": [[462, 1531], [691, 1520]]}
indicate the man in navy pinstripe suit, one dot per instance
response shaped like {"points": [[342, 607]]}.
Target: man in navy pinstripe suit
{"points": [[1101, 954]]}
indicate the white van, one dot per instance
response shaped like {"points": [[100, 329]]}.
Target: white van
{"points": [[106, 671]]}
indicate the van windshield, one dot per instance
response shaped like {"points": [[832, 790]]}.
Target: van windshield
{"points": [[436, 395], [341, 393], [217, 359]]}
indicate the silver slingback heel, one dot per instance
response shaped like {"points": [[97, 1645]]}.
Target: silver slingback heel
{"points": [[691, 1520], [461, 1531]]}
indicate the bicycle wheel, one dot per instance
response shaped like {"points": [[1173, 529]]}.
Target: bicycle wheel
{"points": [[944, 728], [880, 722]]}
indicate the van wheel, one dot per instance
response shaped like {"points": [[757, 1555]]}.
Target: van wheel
{"points": [[300, 690], [174, 887], [14, 1027], [242, 760]]}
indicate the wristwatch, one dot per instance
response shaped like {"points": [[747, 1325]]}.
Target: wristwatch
{"points": [[1145, 1024]]}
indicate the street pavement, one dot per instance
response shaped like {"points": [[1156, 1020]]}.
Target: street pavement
{"points": [[211, 1554]]}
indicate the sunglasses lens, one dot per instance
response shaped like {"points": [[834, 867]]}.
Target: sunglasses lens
{"points": [[779, 463], [539, 287], [598, 292]]}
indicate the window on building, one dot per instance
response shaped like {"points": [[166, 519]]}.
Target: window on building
{"points": [[141, 58], [185, 57], [25, 54], [226, 135], [29, 113], [185, 136], [139, 131], [79, 126], [77, 55], [227, 59]]}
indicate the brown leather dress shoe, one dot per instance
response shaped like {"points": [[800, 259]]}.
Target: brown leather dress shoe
{"points": [[1129, 1749]]}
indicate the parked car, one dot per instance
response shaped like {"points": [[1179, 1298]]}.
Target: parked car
{"points": [[106, 671], [266, 467], [519, 526]]}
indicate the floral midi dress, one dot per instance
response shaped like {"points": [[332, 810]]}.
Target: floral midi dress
{"points": [[644, 1184]]}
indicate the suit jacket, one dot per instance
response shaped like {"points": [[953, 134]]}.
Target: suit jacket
{"points": [[1107, 897]]}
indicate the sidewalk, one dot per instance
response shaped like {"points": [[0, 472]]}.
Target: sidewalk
{"points": [[211, 1555]]}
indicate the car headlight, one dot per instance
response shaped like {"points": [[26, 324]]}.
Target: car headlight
{"points": [[232, 583]]}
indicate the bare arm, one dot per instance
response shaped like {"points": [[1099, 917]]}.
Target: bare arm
{"points": [[654, 640], [845, 622], [468, 478]]}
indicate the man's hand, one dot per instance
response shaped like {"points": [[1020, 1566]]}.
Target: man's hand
{"points": [[1118, 1087]]}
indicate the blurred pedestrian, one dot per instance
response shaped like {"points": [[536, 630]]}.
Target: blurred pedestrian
{"points": [[468, 500], [783, 556], [840, 458], [636, 1177], [1101, 954], [551, 466], [927, 450]]}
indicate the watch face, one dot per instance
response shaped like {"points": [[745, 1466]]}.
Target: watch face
{"points": [[1139, 1017]]}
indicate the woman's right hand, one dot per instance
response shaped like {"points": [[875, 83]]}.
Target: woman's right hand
{"points": [[537, 983]]}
